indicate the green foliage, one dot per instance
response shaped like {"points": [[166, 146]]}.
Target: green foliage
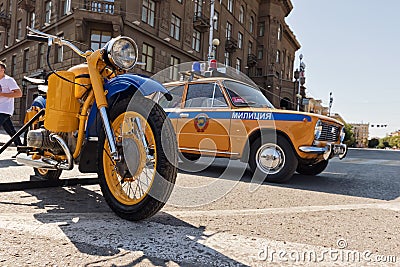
{"points": [[374, 142], [389, 141], [349, 140]]}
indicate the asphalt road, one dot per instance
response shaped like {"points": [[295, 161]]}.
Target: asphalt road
{"points": [[347, 216]]}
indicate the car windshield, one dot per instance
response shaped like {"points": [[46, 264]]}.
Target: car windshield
{"points": [[243, 95]]}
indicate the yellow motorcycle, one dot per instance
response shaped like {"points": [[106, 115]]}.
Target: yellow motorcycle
{"points": [[98, 117]]}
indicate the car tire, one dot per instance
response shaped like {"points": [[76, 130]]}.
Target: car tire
{"points": [[189, 158], [312, 169], [283, 165]]}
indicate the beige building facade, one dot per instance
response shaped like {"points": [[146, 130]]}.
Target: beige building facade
{"points": [[361, 133], [254, 38]]}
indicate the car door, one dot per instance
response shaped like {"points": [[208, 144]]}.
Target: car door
{"points": [[204, 120], [172, 107]]}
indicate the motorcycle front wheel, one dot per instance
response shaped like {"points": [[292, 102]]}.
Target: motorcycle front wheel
{"points": [[139, 184]]}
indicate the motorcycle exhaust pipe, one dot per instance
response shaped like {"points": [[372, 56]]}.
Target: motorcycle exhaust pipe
{"points": [[46, 163], [36, 163], [64, 146]]}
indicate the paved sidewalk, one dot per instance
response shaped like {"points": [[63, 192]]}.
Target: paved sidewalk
{"points": [[4, 137]]}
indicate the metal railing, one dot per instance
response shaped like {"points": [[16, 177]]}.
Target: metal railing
{"points": [[100, 6]]}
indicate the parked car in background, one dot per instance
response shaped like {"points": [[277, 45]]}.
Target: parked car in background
{"points": [[222, 117]]}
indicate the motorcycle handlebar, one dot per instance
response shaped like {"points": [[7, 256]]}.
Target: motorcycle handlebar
{"points": [[36, 38], [45, 37]]}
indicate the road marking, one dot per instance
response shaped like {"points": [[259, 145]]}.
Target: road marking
{"points": [[395, 206], [371, 161]]}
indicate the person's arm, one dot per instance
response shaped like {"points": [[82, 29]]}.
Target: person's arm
{"points": [[16, 93]]}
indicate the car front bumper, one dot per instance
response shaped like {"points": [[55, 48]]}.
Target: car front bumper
{"points": [[329, 151]]}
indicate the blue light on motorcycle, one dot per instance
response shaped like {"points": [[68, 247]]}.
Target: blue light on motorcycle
{"points": [[122, 52]]}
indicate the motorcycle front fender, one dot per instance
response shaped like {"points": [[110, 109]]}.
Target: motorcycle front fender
{"points": [[128, 84]]}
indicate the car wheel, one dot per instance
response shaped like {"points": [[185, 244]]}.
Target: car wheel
{"points": [[272, 158], [312, 169], [189, 158]]}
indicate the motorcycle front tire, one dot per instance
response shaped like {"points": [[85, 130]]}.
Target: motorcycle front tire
{"points": [[142, 194]]}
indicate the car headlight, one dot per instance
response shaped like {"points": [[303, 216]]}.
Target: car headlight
{"points": [[121, 52], [318, 129], [342, 135]]}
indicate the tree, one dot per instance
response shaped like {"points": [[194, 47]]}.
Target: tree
{"points": [[349, 139], [374, 142]]}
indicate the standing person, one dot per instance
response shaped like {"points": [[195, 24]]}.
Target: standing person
{"points": [[9, 90]]}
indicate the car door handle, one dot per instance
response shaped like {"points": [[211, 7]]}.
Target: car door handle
{"points": [[184, 115]]}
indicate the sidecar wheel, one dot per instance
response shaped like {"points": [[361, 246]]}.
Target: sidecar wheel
{"points": [[47, 174], [137, 186]]}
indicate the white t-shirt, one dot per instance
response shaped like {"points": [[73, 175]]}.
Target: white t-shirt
{"points": [[7, 84]]}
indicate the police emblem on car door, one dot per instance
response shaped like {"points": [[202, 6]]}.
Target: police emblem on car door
{"points": [[204, 121]]}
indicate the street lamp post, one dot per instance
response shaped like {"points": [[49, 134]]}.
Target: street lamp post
{"points": [[330, 103], [211, 52], [302, 80]]}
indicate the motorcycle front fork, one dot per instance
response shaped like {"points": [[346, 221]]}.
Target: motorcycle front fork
{"points": [[109, 134]]}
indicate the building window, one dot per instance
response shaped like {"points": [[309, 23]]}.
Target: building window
{"points": [[13, 65], [32, 19], [174, 68], [260, 52], [228, 33], [198, 8], [251, 25], [196, 41], [26, 61], [278, 56], [66, 7], [250, 48], [259, 72], [19, 30], [216, 20], [147, 57], [240, 40], [227, 59], [261, 29], [238, 64], [98, 39], [279, 32], [41, 59], [175, 30], [230, 6], [241, 14], [47, 16], [148, 11]]}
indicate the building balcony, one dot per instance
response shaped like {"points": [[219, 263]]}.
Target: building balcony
{"points": [[251, 60], [28, 6], [100, 6], [5, 19], [200, 23], [231, 45]]}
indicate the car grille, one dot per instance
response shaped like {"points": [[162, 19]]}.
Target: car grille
{"points": [[330, 132]]}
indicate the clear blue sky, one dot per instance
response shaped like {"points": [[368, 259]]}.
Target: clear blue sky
{"points": [[352, 49]]}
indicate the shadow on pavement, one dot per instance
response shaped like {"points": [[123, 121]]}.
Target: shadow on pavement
{"points": [[87, 221], [366, 180]]}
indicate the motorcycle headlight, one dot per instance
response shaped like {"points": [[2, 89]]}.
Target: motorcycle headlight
{"points": [[122, 52], [318, 130], [342, 135]]}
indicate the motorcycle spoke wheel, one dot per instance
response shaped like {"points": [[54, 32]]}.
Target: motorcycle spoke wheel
{"points": [[127, 188], [139, 184]]}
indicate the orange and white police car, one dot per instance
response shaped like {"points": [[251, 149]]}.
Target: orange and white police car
{"points": [[223, 117]]}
